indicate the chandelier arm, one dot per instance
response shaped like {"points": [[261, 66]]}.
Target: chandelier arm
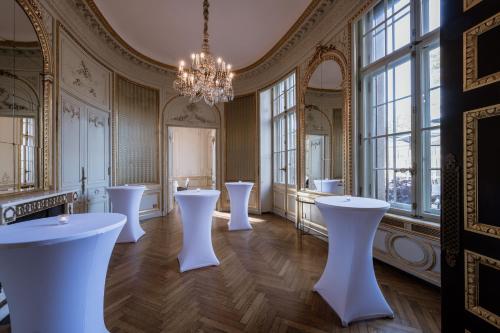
{"points": [[205, 46]]}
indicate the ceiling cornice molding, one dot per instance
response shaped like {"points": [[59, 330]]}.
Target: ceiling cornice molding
{"points": [[307, 23], [304, 23], [82, 7]]}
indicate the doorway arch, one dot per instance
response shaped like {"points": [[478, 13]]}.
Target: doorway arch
{"points": [[180, 112]]}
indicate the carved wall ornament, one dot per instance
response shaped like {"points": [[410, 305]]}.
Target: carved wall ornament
{"points": [[71, 110], [470, 50], [450, 213], [468, 4], [97, 121], [428, 259], [84, 75], [471, 175], [472, 285]]}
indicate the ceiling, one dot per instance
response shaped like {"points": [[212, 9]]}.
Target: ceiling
{"points": [[241, 31], [327, 76]]}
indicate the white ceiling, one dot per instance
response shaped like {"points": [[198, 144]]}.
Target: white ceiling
{"points": [[327, 76], [241, 31]]}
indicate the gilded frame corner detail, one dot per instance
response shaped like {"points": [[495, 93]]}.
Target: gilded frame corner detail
{"points": [[32, 8], [468, 4], [470, 55], [472, 261], [470, 171]]}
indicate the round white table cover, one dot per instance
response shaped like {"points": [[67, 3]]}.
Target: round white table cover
{"points": [[239, 194], [327, 185], [127, 200], [197, 207], [54, 274], [348, 283]]}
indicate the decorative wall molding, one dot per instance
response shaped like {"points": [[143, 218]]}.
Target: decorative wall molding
{"points": [[182, 113], [468, 4], [472, 285], [321, 54], [81, 75], [450, 213], [470, 50], [34, 12], [471, 173]]}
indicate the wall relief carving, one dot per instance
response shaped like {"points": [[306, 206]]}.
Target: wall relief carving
{"points": [[181, 112], [83, 76]]}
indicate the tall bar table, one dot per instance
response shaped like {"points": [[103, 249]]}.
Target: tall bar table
{"points": [[126, 200], [239, 194], [197, 207], [348, 283], [54, 274], [327, 185]]}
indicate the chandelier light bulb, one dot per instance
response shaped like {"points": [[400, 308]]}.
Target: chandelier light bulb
{"points": [[219, 60], [192, 56]]}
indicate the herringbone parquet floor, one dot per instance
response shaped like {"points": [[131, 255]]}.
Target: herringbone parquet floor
{"points": [[263, 284]]}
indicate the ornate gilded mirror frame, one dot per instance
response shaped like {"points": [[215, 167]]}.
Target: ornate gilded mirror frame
{"points": [[34, 13], [324, 53]]}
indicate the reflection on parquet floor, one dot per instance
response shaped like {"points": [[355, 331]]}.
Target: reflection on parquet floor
{"points": [[264, 284]]}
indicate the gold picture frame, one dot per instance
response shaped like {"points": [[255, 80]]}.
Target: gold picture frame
{"points": [[470, 170], [468, 4], [470, 54], [472, 261]]}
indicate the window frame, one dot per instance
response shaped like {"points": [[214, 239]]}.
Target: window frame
{"points": [[415, 49], [286, 114]]}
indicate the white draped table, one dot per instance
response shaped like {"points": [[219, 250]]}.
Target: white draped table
{"points": [[348, 283], [197, 207], [239, 194], [126, 200], [327, 185], [54, 274]]}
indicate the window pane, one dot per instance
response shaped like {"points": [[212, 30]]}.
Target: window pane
{"points": [[431, 92], [402, 151], [431, 15], [403, 190], [402, 78], [403, 115], [402, 28]]}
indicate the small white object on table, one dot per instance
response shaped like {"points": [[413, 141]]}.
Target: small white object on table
{"points": [[239, 194], [54, 271], [327, 185], [126, 200], [197, 207], [348, 283]]}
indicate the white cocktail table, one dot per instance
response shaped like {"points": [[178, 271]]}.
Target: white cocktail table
{"points": [[239, 194], [348, 283], [327, 185], [126, 200], [197, 207], [54, 274]]}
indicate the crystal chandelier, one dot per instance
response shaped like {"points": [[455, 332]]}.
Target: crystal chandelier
{"points": [[208, 78]]}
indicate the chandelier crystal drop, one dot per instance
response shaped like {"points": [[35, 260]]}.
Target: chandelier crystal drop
{"points": [[207, 78]]}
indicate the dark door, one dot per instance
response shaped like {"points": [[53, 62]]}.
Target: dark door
{"points": [[470, 51]]}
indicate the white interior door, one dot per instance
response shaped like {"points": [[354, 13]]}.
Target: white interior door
{"points": [[84, 154]]}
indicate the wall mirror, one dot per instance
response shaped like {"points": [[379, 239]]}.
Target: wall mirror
{"points": [[323, 123], [21, 105]]}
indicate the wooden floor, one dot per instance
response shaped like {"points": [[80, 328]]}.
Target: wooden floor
{"points": [[263, 284]]}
